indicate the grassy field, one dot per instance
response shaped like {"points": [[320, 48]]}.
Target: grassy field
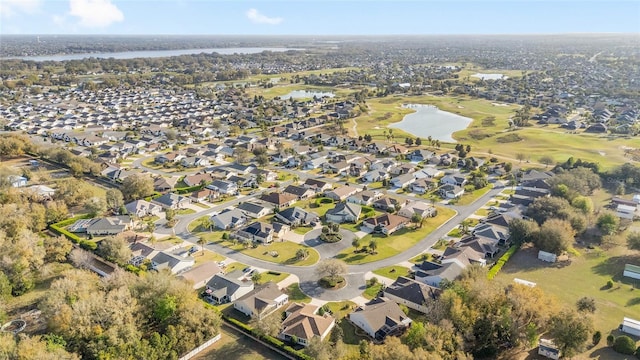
{"points": [[286, 251], [207, 256], [234, 266], [295, 294], [233, 345], [397, 242], [281, 90], [392, 272], [272, 276], [372, 291], [586, 275], [340, 309], [470, 196], [495, 139]]}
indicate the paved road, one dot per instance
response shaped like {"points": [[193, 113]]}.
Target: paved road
{"points": [[355, 276]]}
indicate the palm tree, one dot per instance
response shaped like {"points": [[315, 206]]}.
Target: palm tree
{"points": [[356, 243], [373, 246], [201, 242]]}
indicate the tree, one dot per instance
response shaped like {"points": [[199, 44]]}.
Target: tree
{"points": [[633, 241], [206, 223], [95, 206], [137, 186], [546, 160], [373, 246], [356, 243], [545, 208], [73, 192], [583, 203], [114, 248], [302, 254], [570, 331], [608, 223], [57, 248], [554, 236], [256, 277], [520, 156], [331, 268], [164, 308], [202, 241], [624, 345], [267, 325], [262, 160], [418, 141], [114, 199], [170, 214], [522, 231], [319, 350], [241, 155], [586, 304]]}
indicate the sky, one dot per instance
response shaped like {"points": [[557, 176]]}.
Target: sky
{"points": [[315, 17]]}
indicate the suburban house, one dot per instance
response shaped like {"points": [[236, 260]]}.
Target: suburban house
{"points": [[228, 219], [194, 161], [453, 179], [342, 193], [303, 323], [255, 232], [142, 208], [111, 225], [386, 203], [42, 192], [631, 271], [224, 288], [452, 264], [261, 301], [253, 210], [375, 175], [295, 216], [385, 223], [162, 184], [317, 186], [421, 155], [343, 212], [411, 293], [429, 172], [380, 317], [198, 179], [300, 192], [365, 198], [402, 181], [449, 191], [204, 195], [630, 326], [224, 187], [420, 208], [281, 200], [200, 275], [171, 201], [422, 186], [174, 263]]}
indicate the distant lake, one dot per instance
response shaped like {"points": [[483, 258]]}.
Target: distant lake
{"points": [[150, 53], [304, 94], [428, 120], [489, 76]]}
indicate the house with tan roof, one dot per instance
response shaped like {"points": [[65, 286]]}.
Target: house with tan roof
{"points": [[303, 324], [280, 200], [385, 223], [261, 301], [200, 275], [379, 318], [342, 193]]}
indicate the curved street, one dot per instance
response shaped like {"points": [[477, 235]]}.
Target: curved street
{"points": [[355, 276]]}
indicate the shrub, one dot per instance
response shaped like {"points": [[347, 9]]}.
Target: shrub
{"points": [[638, 352], [597, 336], [500, 263], [88, 245], [624, 345], [586, 304], [610, 339], [609, 284]]}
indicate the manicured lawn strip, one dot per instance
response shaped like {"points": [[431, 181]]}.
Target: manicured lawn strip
{"points": [[341, 309], [372, 291], [234, 266], [470, 197], [207, 257], [482, 212], [310, 205], [185, 212], [397, 242], [295, 294], [455, 233], [272, 276], [420, 258], [286, 252], [301, 230], [392, 272]]}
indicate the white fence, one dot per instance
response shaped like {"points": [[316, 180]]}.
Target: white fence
{"points": [[203, 346]]}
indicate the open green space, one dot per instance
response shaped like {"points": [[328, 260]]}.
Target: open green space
{"points": [[392, 272], [14, 304], [318, 207], [470, 196], [496, 138], [234, 345], [234, 266], [372, 291], [420, 258], [482, 212], [585, 275], [279, 252], [295, 294], [397, 242], [301, 230], [207, 256], [185, 211], [272, 276], [281, 90]]}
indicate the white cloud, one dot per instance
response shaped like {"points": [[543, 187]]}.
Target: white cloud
{"points": [[95, 13], [255, 17], [9, 8]]}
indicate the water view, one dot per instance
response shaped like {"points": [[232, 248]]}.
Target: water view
{"points": [[304, 94], [151, 53], [428, 120], [489, 76]]}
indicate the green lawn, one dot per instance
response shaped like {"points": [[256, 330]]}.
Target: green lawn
{"points": [[585, 276], [273, 276], [310, 205], [234, 266], [397, 242], [207, 257], [420, 258], [341, 309], [372, 291], [295, 294], [392, 272], [455, 233], [234, 345], [302, 230], [37, 294], [185, 212], [470, 197], [482, 212]]}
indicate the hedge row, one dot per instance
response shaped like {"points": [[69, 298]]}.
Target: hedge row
{"points": [[500, 263], [59, 228], [190, 189], [268, 339]]}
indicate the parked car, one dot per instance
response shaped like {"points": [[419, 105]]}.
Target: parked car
{"points": [[247, 269]]}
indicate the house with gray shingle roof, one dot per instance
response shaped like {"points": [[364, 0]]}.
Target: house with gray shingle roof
{"points": [[261, 301], [411, 293], [380, 317], [224, 288]]}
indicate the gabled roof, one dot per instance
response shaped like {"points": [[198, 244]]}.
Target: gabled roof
{"points": [[296, 214], [259, 299], [345, 208], [251, 207], [380, 312], [170, 199], [413, 291], [227, 284], [303, 323], [277, 198], [387, 220], [296, 190]]}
